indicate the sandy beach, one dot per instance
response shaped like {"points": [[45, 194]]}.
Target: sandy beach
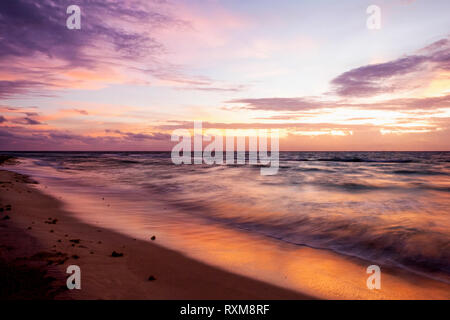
{"points": [[39, 240]]}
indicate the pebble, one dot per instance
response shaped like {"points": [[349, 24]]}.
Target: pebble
{"points": [[116, 254]]}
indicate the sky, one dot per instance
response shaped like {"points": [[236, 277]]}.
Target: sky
{"points": [[137, 70]]}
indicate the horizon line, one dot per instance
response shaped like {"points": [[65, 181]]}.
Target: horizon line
{"points": [[223, 151]]}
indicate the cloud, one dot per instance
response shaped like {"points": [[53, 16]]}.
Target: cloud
{"points": [[281, 104], [388, 77], [20, 115], [5, 108], [26, 138], [176, 78], [2, 119], [16, 87], [308, 104], [256, 125], [36, 44], [349, 88], [31, 27], [217, 89], [26, 121], [439, 102], [294, 136], [117, 43], [140, 136], [76, 111]]}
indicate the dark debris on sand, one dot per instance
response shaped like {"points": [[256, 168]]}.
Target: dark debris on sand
{"points": [[25, 283], [21, 281], [116, 254], [51, 257], [54, 221]]}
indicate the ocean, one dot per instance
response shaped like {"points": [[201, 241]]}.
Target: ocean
{"points": [[389, 208]]}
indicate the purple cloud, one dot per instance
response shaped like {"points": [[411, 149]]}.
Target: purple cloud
{"points": [[27, 138], [376, 78], [281, 104], [30, 27], [216, 89], [26, 121], [257, 125], [368, 81], [11, 88], [199, 83], [80, 111], [308, 104], [141, 136], [410, 103], [37, 30]]}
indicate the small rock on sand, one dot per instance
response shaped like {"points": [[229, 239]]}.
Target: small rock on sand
{"points": [[116, 254], [153, 238]]}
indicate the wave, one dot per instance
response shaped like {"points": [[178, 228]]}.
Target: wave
{"points": [[360, 223], [368, 238], [362, 160], [419, 172], [353, 186], [355, 160]]}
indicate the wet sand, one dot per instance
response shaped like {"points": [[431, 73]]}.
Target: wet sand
{"points": [[39, 240]]}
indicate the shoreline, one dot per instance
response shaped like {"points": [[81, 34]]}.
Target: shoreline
{"points": [[43, 240], [304, 272]]}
